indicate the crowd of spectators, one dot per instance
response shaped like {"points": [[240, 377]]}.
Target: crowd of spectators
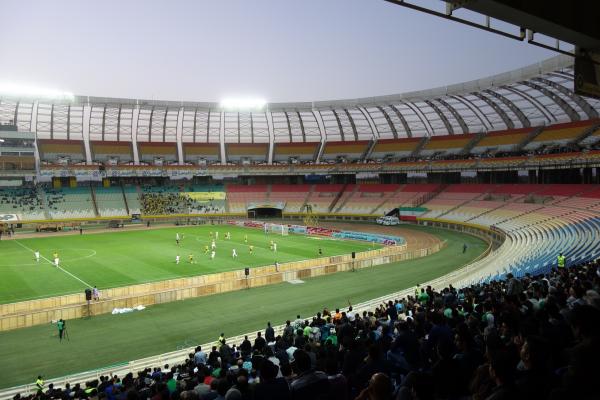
{"points": [[531, 338], [22, 198], [173, 203]]}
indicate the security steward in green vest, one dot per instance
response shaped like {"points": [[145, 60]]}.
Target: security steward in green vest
{"points": [[561, 261], [39, 384]]}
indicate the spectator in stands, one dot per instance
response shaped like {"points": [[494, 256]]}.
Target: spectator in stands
{"points": [[199, 357], [269, 333], [308, 384]]}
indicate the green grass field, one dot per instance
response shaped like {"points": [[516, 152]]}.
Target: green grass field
{"points": [[108, 339], [128, 257]]}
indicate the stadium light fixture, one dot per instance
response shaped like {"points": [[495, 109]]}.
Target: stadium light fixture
{"points": [[243, 104], [18, 90]]}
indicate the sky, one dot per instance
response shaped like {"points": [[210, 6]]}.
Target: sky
{"points": [[277, 50]]}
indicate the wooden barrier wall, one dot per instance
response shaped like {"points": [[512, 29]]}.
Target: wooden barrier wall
{"points": [[34, 312]]}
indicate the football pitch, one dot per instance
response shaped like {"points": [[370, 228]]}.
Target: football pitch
{"points": [[121, 258]]}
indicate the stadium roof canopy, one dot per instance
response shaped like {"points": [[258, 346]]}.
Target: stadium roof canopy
{"points": [[539, 94]]}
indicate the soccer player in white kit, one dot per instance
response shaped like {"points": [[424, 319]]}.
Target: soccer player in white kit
{"points": [[56, 262], [37, 256], [216, 234], [177, 259], [228, 236], [177, 238], [212, 255], [234, 253], [213, 245], [275, 247]]}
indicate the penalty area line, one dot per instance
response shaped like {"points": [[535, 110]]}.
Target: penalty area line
{"points": [[51, 263]]}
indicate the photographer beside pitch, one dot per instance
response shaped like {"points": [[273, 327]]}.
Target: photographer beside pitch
{"points": [[62, 329]]}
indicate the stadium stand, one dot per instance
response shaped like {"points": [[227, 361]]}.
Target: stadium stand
{"points": [[58, 150], [394, 148], [367, 198], [25, 202], [110, 201], [560, 134], [351, 151], [238, 196], [194, 152], [505, 140], [23, 163], [294, 196], [252, 152], [323, 197], [300, 151], [150, 152], [448, 144], [74, 202], [132, 196], [119, 152]]}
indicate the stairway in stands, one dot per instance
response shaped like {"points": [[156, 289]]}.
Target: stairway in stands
{"points": [[346, 198], [125, 199], [93, 194], [337, 198], [308, 194], [42, 193], [386, 198], [428, 196]]}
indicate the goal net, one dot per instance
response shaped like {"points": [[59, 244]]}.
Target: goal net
{"points": [[278, 229]]}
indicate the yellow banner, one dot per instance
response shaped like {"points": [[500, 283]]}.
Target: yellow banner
{"points": [[204, 196]]}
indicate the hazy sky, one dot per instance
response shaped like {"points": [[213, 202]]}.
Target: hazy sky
{"points": [[280, 50]]}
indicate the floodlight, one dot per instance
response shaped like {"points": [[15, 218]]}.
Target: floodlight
{"points": [[243, 104], [18, 90]]}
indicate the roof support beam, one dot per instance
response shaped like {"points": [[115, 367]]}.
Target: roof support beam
{"points": [[505, 118], [516, 110], [119, 124], [301, 125], [352, 124], [447, 124], [164, 129], [481, 116], [150, 124], [289, 126], [456, 115], [424, 120], [251, 128], [103, 121], [51, 121], [403, 120], [580, 101], [337, 118], [388, 120], [194, 126], [207, 125], [570, 111], [69, 122], [540, 107]]}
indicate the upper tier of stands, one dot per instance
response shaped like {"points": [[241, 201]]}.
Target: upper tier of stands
{"points": [[103, 151], [479, 146], [52, 150]]}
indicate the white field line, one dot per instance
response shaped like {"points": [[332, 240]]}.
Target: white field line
{"points": [[51, 263]]}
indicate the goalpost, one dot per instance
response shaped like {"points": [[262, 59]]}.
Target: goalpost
{"points": [[279, 229]]}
